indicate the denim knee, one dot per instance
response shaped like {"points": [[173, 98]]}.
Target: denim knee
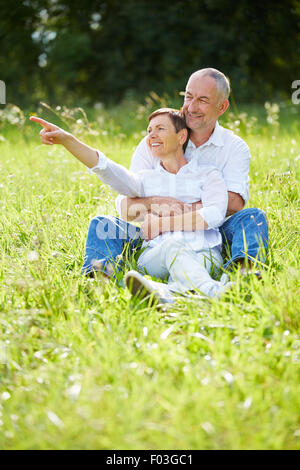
{"points": [[248, 230], [259, 218], [256, 213]]}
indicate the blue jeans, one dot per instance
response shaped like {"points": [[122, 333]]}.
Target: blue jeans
{"points": [[244, 233], [106, 238]]}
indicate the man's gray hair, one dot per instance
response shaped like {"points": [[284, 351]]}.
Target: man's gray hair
{"points": [[223, 84]]}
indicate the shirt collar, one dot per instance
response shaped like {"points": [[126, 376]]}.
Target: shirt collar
{"points": [[161, 169], [216, 138], [158, 166]]}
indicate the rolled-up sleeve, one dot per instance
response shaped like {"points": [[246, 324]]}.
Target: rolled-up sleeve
{"points": [[214, 199], [236, 171]]}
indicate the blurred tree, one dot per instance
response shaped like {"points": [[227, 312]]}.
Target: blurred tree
{"points": [[19, 54], [63, 50]]}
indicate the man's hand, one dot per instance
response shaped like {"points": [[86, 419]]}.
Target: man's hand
{"points": [[50, 134], [168, 206], [150, 227], [136, 208]]}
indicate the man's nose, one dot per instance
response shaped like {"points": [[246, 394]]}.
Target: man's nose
{"points": [[193, 106]]}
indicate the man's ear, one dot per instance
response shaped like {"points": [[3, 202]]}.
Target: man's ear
{"points": [[223, 107], [182, 136]]}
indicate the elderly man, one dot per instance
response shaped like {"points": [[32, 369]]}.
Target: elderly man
{"points": [[245, 231]]}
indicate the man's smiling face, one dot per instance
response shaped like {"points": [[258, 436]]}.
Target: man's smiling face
{"points": [[202, 104]]}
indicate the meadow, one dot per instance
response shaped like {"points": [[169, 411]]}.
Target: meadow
{"points": [[83, 365]]}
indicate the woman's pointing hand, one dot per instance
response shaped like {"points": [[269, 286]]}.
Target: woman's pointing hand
{"points": [[50, 134]]}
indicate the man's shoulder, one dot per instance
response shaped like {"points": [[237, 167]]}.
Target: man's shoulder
{"points": [[142, 157], [230, 138], [142, 144], [143, 148]]}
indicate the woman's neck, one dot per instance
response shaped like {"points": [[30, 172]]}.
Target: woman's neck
{"points": [[174, 162]]}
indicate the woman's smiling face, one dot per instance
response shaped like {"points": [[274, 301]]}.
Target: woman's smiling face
{"points": [[163, 140]]}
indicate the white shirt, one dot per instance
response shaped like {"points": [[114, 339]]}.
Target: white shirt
{"points": [[192, 183], [224, 150]]}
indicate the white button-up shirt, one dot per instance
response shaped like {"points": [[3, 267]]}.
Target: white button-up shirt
{"points": [[191, 183], [224, 150]]}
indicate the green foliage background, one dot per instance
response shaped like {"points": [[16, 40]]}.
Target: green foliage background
{"points": [[102, 50]]}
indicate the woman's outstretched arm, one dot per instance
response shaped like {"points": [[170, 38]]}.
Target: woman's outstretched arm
{"points": [[51, 134], [118, 177]]}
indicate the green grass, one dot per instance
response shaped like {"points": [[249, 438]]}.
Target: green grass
{"points": [[85, 366]]}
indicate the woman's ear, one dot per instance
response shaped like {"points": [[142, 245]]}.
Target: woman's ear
{"points": [[182, 136]]}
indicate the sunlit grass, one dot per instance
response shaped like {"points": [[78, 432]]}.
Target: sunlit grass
{"points": [[83, 365]]}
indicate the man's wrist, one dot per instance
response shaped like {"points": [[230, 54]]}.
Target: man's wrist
{"points": [[196, 206]]}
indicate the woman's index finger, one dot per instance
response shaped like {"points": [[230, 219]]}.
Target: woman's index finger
{"points": [[40, 121]]}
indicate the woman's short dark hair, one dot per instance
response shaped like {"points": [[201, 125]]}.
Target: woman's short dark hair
{"points": [[176, 117]]}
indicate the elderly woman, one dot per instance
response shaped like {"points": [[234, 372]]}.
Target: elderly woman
{"points": [[187, 257]]}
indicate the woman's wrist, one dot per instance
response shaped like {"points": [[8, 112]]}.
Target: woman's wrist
{"points": [[68, 139]]}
